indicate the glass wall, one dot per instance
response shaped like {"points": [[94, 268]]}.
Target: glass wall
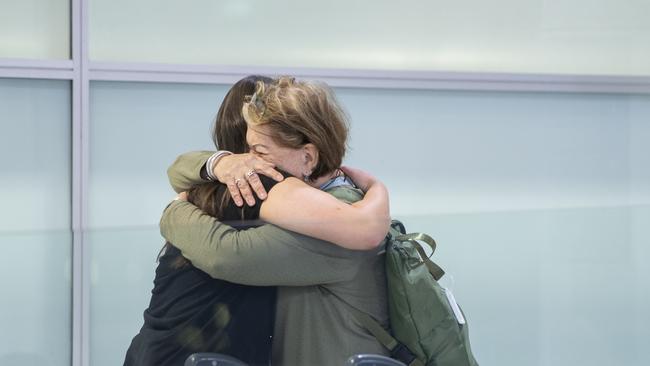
{"points": [[35, 226], [35, 29], [554, 36], [136, 131], [540, 202], [537, 202]]}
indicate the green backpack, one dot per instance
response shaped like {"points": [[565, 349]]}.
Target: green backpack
{"points": [[428, 327]]}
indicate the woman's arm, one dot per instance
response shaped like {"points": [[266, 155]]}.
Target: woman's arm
{"points": [[362, 225], [263, 256], [231, 170], [298, 207], [185, 172]]}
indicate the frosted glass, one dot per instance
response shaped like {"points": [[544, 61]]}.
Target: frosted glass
{"points": [[136, 131], [35, 236], [35, 29], [476, 151], [553, 36], [539, 203]]}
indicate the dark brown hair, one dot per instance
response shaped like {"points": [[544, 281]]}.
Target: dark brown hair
{"points": [[228, 133], [229, 130]]}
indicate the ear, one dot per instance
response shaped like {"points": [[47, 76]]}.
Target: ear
{"points": [[311, 156]]}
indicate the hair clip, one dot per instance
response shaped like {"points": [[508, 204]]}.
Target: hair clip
{"points": [[255, 100]]}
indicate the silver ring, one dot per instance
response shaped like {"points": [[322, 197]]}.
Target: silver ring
{"points": [[250, 174], [237, 182]]}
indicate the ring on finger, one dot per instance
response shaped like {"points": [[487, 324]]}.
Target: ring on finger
{"points": [[250, 173], [237, 181]]}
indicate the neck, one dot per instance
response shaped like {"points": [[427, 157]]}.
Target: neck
{"points": [[324, 179]]}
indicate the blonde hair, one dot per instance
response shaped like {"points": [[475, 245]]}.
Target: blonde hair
{"points": [[299, 113]]}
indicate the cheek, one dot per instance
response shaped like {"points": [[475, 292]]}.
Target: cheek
{"points": [[291, 162], [274, 158]]}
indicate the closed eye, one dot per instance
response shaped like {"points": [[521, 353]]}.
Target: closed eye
{"points": [[258, 149], [256, 152]]}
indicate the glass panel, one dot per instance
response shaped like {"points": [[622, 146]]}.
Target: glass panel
{"points": [[35, 235], [539, 204], [136, 131], [551, 37], [540, 217], [36, 29]]}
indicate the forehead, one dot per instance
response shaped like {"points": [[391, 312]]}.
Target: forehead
{"points": [[258, 135]]}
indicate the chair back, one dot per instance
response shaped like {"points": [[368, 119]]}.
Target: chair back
{"points": [[372, 360], [212, 359]]}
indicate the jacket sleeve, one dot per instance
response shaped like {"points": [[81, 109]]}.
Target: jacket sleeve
{"points": [[262, 256], [185, 172]]}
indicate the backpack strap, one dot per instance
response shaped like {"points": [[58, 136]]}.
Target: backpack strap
{"points": [[434, 269], [397, 350]]}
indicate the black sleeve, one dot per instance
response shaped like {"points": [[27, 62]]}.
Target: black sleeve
{"points": [[250, 214], [203, 173]]}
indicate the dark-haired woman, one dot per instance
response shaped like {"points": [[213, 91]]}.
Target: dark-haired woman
{"points": [[190, 311], [299, 127]]}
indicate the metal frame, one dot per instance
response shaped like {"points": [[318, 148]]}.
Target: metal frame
{"points": [[36, 69], [80, 71], [81, 68], [80, 118], [386, 79]]}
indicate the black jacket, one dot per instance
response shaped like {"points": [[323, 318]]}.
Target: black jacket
{"points": [[191, 312]]}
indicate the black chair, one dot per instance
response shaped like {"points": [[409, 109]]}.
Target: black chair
{"points": [[212, 359], [372, 360]]}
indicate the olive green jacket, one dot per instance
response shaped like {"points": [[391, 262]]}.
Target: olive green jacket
{"points": [[312, 325]]}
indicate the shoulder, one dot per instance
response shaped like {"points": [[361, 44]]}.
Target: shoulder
{"points": [[295, 190], [289, 184], [346, 193], [269, 183]]}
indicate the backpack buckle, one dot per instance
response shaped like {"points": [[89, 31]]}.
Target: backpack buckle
{"points": [[403, 354], [397, 225]]}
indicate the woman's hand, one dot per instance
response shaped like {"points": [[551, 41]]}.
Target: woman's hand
{"points": [[361, 179], [240, 173]]}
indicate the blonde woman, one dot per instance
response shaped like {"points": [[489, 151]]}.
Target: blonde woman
{"points": [[299, 128]]}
